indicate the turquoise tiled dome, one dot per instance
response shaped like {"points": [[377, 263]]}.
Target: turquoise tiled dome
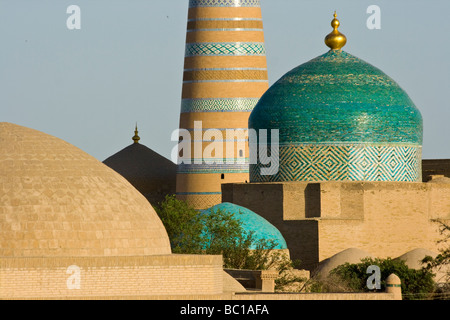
{"points": [[340, 118], [251, 221]]}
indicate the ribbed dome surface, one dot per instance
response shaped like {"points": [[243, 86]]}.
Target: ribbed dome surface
{"points": [[56, 200], [351, 108]]}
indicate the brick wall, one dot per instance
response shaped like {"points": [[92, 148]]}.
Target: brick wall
{"points": [[318, 220], [394, 219], [110, 276]]}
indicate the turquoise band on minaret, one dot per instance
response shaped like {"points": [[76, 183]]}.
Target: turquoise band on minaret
{"points": [[225, 49]]}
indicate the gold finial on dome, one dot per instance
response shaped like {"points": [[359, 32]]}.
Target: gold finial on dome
{"points": [[136, 138], [335, 40]]}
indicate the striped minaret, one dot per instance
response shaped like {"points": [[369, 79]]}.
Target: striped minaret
{"points": [[225, 74]]}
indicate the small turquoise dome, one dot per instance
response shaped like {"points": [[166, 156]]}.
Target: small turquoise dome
{"points": [[251, 221], [340, 118]]}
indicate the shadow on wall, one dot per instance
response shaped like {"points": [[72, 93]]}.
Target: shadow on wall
{"points": [[435, 167], [312, 200]]}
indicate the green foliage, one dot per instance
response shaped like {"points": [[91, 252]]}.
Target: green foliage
{"points": [[288, 279], [183, 225], [194, 232], [441, 262], [223, 234], [416, 284], [443, 258], [332, 283]]}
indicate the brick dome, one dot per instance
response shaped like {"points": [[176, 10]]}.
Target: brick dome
{"points": [[56, 200]]}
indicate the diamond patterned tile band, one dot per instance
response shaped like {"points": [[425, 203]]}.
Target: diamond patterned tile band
{"points": [[344, 163], [224, 3], [213, 168], [225, 49], [214, 160], [218, 105]]}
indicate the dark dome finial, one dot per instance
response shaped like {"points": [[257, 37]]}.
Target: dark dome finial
{"points": [[136, 138]]}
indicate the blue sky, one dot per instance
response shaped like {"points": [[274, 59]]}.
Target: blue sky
{"points": [[125, 65]]}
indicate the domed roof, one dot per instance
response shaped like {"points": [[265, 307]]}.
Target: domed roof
{"points": [[137, 160], [350, 255], [56, 200], [439, 179], [251, 221], [338, 98], [339, 119], [150, 173], [414, 257]]}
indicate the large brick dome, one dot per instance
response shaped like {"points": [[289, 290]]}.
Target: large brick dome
{"points": [[56, 200]]}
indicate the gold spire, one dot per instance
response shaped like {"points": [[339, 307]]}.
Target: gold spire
{"points": [[136, 138], [335, 40]]}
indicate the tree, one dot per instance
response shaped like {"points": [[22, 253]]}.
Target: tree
{"points": [[220, 232], [183, 225], [225, 234], [442, 260], [416, 284]]}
